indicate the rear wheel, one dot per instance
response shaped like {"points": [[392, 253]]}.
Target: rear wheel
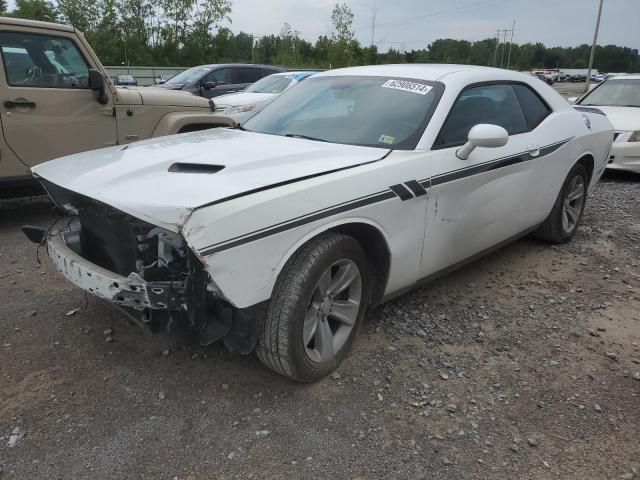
{"points": [[563, 221], [318, 303]]}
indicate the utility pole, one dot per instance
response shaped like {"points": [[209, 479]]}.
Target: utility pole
{"points": [[373, 26], [504, 45], [511, 43], [504, 41], [495, 54], [593, 47]]}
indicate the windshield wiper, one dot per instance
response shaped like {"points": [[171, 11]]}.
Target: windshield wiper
{"points": [[306, 137]]}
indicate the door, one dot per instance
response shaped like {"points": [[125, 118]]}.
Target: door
{"points": [[245, 76], [488, 198], [47, 107], [222, 78]]}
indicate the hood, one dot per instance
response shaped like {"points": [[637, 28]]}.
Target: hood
{"points": [[137, 179], [162, 98], [622, 118], [169, 86], [242, 98]]}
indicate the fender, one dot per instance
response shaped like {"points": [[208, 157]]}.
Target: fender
{"points": [[173, 122], [324, 228]]}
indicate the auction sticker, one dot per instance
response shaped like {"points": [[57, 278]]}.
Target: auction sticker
{"points": [[407, 86]]}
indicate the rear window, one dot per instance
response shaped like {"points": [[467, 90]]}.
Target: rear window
{"points": [[535, 110], [247, 75]]}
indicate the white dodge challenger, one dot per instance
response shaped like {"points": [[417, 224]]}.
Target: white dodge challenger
{"points": [[352, 188]]}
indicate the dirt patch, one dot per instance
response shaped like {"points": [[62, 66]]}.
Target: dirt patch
{"points": [[520, 365]]}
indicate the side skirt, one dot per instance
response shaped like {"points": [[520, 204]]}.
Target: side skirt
{"points": [[456, 266]]}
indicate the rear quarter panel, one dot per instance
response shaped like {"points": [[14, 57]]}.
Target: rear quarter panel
{"points": [[553, 169]]}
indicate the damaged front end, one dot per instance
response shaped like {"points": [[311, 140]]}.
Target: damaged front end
{"points": [[147, 270]]}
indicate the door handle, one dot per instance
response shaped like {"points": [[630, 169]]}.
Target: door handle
{"points": [[12, 104]]}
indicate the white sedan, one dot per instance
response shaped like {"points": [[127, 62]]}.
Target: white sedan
{"points": [[348, 190], [619, 99], [240, 106]]}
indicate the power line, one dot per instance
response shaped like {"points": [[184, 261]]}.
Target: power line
{"points": [[462, 8]]}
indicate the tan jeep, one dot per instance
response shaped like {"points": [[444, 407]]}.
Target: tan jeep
{"points": [[57, 99]]}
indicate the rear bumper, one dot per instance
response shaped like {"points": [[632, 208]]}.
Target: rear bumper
{"points": [[132, 291], [625, 156]]}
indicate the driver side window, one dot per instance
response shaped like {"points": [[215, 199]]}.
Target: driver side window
{"points": [[222, 76], [493, 104], [32, 60]]}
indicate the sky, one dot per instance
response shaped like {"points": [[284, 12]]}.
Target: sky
{"points": [[412, 24]]}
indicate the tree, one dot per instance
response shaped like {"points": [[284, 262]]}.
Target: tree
{"points": [[342, 21], [35, 10], [189, 32], [341, 51], [3, 7]]}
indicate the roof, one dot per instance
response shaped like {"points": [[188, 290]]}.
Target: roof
{"points": [[422, 71], [628, 76], [211, 65], [35, 24], [297, 74]]}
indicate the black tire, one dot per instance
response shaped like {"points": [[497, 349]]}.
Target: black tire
{"points": [[280, 345], [553, 230]]}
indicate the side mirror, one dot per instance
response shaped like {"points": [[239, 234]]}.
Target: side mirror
{"points": [[209, 85], [96, 83], [483, 135]]}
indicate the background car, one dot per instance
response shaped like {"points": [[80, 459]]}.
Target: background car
{"points": [[55, 93], [242, 105], [211, 81], [619, 99], [162, 78], [125, 79]]}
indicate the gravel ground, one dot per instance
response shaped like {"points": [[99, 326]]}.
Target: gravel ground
{"points": [[525, 364]]}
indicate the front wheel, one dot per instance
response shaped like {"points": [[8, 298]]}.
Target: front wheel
{"points": [[317, 305], [563, 221]]}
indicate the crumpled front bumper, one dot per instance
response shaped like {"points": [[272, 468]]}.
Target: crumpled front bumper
{"points": [[132, 291]]}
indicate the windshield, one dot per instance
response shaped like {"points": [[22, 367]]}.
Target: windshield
{"points": [[270, 84], [188, 76], [615, 93], [372, 111]]}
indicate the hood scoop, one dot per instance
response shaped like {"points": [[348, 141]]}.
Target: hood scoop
{"points": [[181, 167]]}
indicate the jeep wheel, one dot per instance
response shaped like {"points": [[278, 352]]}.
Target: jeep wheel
{"points": [[317, 305]]}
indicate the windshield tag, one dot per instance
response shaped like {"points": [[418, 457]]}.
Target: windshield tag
{"points": [[406, 86], [388, 139]]}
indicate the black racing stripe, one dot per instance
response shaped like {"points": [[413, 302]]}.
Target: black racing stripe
{"points": [[287, 182], [495, 164], [348, 202], [401, 191], [483, 168], [417, 189], [589, 110], [395, 190], [303, 221]]}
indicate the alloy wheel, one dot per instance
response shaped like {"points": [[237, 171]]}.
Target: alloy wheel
{"points": [[573, 203], [332, 311]]}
